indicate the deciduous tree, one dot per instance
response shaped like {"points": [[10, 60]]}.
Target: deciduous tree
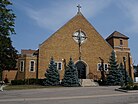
{"points": [[8, 53]]}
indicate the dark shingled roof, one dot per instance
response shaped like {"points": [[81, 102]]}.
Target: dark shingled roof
{"points": [[29, 51], [117, 34]]}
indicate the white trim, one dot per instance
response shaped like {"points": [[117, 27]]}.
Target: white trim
{"points": [[59, 63], [22, 66], [98, 66], [81, 32], [103, 66], [31, 66], [107, 66]]}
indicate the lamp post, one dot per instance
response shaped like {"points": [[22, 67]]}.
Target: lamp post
{"points": [[124, 60]]}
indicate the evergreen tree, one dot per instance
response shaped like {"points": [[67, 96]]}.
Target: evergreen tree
{"points": [[71, 75], [121, 68], [52, 75], [8, 53], [125, 77], [114, 75], [135, 70]]}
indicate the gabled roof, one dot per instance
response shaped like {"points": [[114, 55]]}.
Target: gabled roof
{"points": [[117, 34], [25, 52], [75, 18], [64, 34]]}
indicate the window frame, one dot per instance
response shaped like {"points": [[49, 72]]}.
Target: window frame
{"points": [[103, 65], [98, 66], [107, 66], [121, 42], [59, 65], [30, 66], [22, 66]]}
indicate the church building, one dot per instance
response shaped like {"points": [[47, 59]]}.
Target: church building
{"points": [[81, 41]]}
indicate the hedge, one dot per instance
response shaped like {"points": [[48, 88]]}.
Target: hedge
{"points": [[31, 81]]}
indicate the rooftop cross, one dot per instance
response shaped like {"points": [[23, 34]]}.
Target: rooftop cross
{"points": [[79, 7]]}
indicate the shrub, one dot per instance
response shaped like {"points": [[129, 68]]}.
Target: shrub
{"points": [[17, 82], [130, 87], [30, 81], [135, 87], [40, 81], [33, 81]]}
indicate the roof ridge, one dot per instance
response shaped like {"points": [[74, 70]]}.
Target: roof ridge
{"points": [[117, 34]]}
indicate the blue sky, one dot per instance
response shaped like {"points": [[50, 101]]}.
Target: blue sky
{"points": [[38, 19]]}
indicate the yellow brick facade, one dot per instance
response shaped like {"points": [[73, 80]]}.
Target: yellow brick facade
{"points": [[61, 46], [26, 73], [10, 74]]}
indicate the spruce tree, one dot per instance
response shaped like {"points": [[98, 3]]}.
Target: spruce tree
{"points": [[121, 68], [8, 53], [71, 75], [52, 75], [125, 77], [135, 70], [114, 75]]}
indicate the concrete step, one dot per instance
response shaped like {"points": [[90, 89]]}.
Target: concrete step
{"points": [[88, 83]]}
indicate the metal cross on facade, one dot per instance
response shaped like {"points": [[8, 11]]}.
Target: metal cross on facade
{"points": [[79, 7], [80, 37]]}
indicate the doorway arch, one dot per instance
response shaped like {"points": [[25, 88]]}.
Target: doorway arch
{"points": [[81, 67]]}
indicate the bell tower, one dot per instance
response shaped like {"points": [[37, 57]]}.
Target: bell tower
{"points": [[119, 43]]}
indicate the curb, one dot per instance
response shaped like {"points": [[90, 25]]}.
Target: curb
{"points": [[127, 91]]}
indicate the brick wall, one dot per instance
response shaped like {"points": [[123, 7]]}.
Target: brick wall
{"points": [[11, 74], [62, 46]]}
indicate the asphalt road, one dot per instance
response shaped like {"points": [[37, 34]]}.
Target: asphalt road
{"points": [[79, 95]]}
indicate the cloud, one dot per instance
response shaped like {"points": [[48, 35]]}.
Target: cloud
{"points": [[52, 15], [130, 9], [57, 14], [93, 8]]}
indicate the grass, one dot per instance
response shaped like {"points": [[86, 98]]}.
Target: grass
{"points": [[22, 87]]}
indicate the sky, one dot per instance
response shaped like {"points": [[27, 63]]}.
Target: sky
{"points": [[38, 19]]}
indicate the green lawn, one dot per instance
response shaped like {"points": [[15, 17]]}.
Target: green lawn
{"points": [[21, 87]]}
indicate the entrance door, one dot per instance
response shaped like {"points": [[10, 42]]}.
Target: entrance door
{"points": [[81, 67]]}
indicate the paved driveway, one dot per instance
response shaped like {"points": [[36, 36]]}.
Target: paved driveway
{"points": [[72, 95]]}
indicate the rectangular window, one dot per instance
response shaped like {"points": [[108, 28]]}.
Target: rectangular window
{"points": [[98, 66], [59, 65], [32, 66], [105, 66], [121, 42], [22, 66]]}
